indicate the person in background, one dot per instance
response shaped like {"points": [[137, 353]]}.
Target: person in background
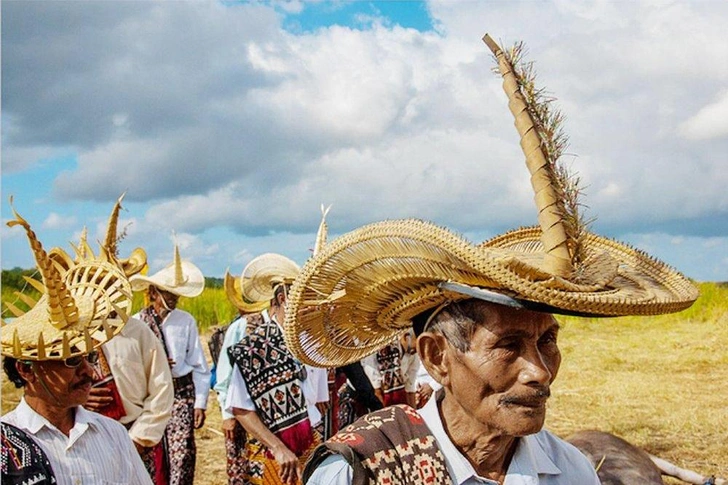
{"points": [[177, 330], [250, 315], [270, 392], [49, 351]]}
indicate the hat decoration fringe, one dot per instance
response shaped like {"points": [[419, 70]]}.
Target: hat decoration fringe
{"points": [[543, 142], [323, 231], [137, 260], [62, 308]]}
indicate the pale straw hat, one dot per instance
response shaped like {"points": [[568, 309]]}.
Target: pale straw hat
{"points": [[264, 273], [365, 287], [234, 293], [180, 277], [81, 307]]}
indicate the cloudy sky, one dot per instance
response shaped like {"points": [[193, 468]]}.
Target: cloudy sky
{"points": [[228, 124]]}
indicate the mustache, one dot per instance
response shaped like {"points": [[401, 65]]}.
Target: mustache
{"points": [[530, 399], [83, 382]]}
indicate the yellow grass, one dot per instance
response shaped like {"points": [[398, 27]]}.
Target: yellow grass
{"points": [[659, 382]]}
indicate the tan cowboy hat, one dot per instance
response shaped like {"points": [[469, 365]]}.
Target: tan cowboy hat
{"points": [[264, 273], [132, 265], [365, 287], [81, 307], [234, 294], [180, 277]]}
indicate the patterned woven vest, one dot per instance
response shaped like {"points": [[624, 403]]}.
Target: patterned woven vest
{"points": [[389, 363], [274, 380], [392, 446]]}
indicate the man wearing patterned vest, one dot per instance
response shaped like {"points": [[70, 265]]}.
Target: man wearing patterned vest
{"points": [[484, 319], [270, 392]]}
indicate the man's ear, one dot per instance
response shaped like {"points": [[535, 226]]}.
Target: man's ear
{"points": [[25, 369], [433, 351]]}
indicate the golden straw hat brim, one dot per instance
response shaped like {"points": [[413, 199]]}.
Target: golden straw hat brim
{"points": [[235, 296], [263, 273], [365, 287], [191, 285]]}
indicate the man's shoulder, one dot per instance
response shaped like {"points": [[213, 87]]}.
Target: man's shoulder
{"points": [[101, 422], [563, 454]]}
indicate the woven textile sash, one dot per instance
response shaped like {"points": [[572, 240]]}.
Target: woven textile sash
{"points": [[273, 378], [104, 378], [389, 363], [392, 446], [154, 321]]}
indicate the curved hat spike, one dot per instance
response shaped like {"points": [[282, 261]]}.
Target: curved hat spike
{"points": [[560, 251], [61, 305], [323, 231]]}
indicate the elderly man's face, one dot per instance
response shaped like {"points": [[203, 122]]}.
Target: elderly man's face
{"points": [[503, 381]]}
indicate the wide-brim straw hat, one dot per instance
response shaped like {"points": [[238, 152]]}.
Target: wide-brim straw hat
{"points": [[81, 306], [264, 273], [234, 293], [365, 287], [180, 277]]}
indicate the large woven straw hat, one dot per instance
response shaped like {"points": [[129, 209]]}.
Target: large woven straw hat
{"points": [[81, 307], [364, 288], [180, 277], [263, 273], [234, 293]]}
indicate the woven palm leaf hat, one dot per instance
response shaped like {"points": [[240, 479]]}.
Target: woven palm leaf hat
{"points": [[180, 277], [82, 306], [365, 287]]}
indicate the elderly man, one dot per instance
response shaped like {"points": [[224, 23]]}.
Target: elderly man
{"points": [[177, 330], [50, 350], [483, 316]]}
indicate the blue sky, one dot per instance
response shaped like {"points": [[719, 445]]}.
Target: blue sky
{"points": [[229, 124]]}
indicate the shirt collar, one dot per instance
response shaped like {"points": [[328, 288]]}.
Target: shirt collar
{"points": [[529, 459], [30, 420]]}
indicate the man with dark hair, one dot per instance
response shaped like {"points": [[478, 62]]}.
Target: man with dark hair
{"points": [[50, 351], [177, 330], [273, 396]]}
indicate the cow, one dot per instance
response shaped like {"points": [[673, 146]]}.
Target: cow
{"points": [[620, 463]]}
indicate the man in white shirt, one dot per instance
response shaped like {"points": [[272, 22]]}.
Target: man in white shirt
{"points": [[177, 330], [276, 399], [49, 352]]}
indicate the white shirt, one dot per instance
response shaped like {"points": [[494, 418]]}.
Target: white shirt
{"points": [[539, 459], [97, 450], [239, 397], [233, 335], [139, 366], [185, 349]]}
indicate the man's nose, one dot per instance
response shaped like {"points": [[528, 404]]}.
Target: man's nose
{"points": [[535, 370]]}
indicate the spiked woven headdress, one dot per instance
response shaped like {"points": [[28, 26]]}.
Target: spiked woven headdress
{"points": [[365, 287], [132, 265], [180, 277], [82, 306]]}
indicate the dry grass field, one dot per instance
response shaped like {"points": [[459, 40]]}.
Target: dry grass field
{"points": [[659, 382]]}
